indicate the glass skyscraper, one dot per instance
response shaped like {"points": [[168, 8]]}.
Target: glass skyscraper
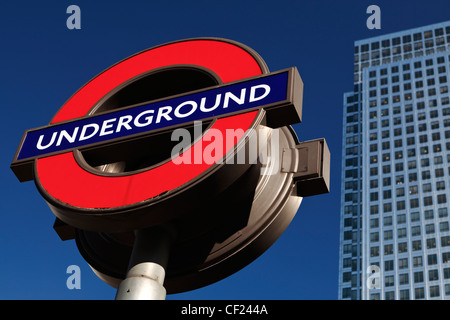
{"points": [[395, 236]]}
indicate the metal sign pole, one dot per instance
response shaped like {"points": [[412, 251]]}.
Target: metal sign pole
{"points": [[146, 270]]}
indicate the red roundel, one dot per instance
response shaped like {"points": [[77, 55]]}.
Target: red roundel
{"points": [[64, 182]]}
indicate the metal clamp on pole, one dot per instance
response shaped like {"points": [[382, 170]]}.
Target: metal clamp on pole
{"points": [[310, 163], [146, 270]]}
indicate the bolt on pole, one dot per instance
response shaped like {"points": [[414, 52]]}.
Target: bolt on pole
{"points": [[146, 269]]}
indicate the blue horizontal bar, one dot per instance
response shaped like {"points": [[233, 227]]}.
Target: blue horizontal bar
{"points": [[217, 102]]}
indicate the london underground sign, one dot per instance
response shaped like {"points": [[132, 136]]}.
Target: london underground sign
{"points": [[105, 164], [265, 92]]}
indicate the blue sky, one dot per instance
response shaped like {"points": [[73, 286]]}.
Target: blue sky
{"points": [[43, 64]]}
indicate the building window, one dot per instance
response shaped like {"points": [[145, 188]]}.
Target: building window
{"points": [[418, 277], [348, 222], [402, 247], [388, 235], [415, 216], [438, 160], [374, 223], [414, 203], [447, 273], [426, 175], [445, 241], [389, 295], [428, 214], [417, 245], [347, 248], [350, 185], [432, 259], [427, 201], [374, 251], [346, 293], [389, 281], [419, 293], [374, 237], [443, 226], [424, 150], [374, 196], [347, 235], [434, 291], [403, 279], [373, 184], [374, 296], [387, 221], [422, 127], [404, 294], [387, 207], [373, 159], [434, 125], [401, 233], [403, 263], [441, 198], [431, 243], [425, 162], [374, 171], [417, 261], [413, 190], [388, 249], [389, 265], [433, 275], [435, 136], [346, 277], [374, 209], [443, 212], [426, 187], [437, 148], [429, 228], [415, 231]]}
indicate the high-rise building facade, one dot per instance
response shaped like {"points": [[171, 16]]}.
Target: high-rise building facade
{"points": [[395, 236]]}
